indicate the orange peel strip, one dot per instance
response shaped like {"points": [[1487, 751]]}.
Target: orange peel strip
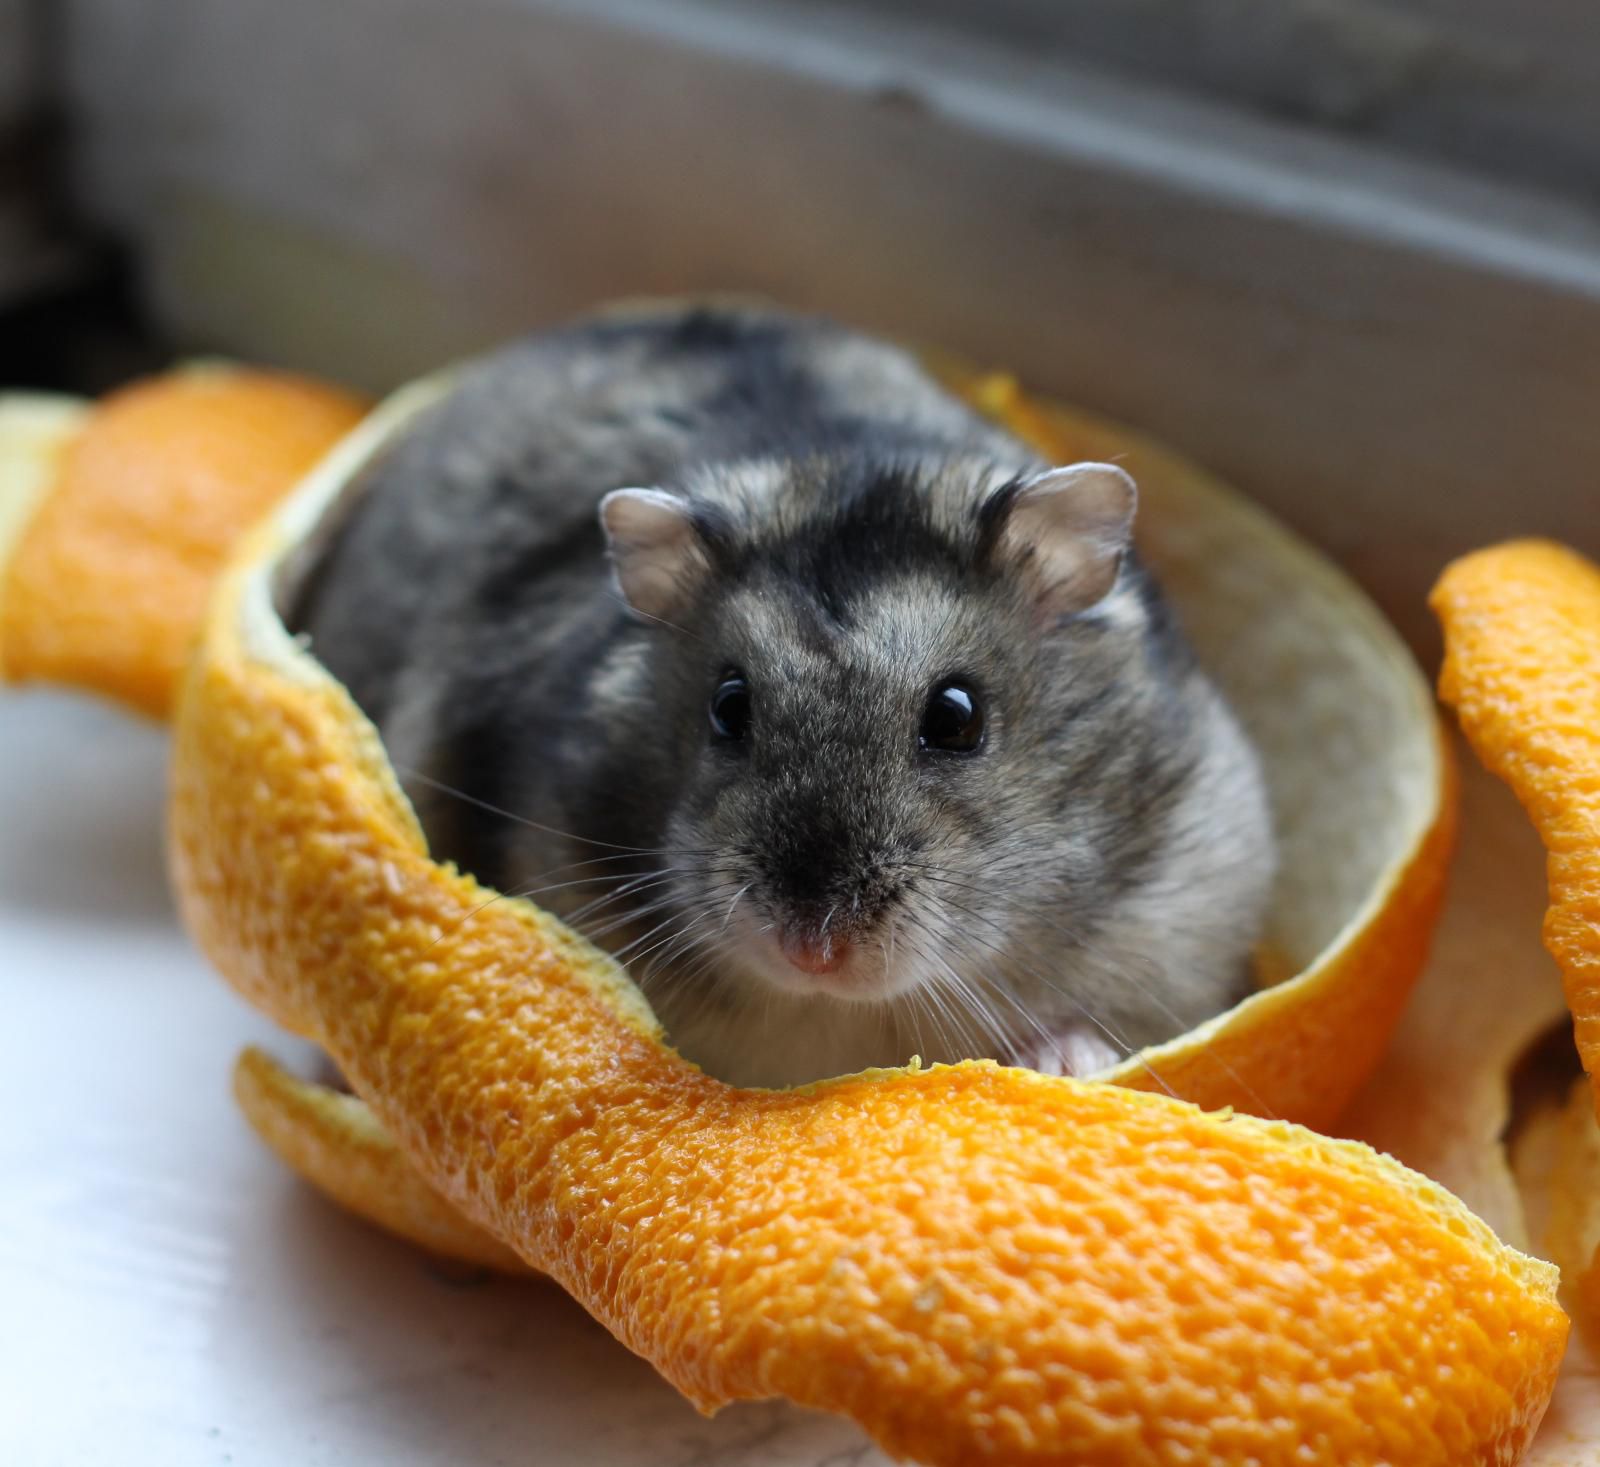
{"points": [[108, 578], [976, 1263], [1557, 1162], [1440, 1101], [1522, 671], [335, 1143], [35, 430]]}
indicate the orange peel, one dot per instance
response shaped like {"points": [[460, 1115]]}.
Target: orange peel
{"points": [[1522, 670], [108, 574], [974, 1262], [334, 1141], [1521, 624], [1441, 1099], [1254, 597]]}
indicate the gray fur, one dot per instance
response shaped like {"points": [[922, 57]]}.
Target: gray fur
{"points": [[1092, 880]]}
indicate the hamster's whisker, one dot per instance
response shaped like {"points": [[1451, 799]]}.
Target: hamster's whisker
{"points": [[999, 952], [447, 789], [597, 923], [973, 1030], [686, 940], [952, 1013], [598, 861], [667, 949], [696, 954], [484, 906], [940, 874], [1116, 1040], [992, 1025], [617, 921], [981, 986], [500, 896], [528, 892], [683, 977], [1040, 1031], [1133, 977], [728, 916], [635, 884], [623, 952], [974, 1033], [985, 921], [915, 1007]]}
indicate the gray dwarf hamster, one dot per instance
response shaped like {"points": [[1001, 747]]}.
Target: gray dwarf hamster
{"points": [[852, 728]]}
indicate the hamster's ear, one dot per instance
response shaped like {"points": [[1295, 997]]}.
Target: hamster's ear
{"points": [[656, 553], [1067, 530]]}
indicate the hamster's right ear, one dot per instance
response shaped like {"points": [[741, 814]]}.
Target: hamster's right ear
{"points": [[1067, 530], [657, 555]]}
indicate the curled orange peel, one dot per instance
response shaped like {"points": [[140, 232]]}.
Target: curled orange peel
{"points": [[1522, 671], [1521, 624], [109, 572], [976, 1263], [335, 1142]]}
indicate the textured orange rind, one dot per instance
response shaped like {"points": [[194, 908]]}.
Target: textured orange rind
{"points": [[1522, 670], [35, 432], [976, 1263], [333, 1140], [108, 576]]}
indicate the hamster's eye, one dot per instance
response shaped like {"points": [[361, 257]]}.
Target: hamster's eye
{"points": [[729, 710], [952, 723]]}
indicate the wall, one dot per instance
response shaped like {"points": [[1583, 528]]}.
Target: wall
{"points": [[367, 188]]}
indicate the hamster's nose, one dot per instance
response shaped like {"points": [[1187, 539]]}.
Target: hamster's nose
{"points": [[815, 954]]}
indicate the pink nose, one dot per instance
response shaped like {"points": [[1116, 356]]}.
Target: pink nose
{"points": [[815, 954]]}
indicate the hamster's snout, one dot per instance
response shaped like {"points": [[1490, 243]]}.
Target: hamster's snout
{"points": [[842, 946], [827, 885]]}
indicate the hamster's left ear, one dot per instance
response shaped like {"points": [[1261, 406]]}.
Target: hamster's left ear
{"points": [[657, 555], [1066, 530]]}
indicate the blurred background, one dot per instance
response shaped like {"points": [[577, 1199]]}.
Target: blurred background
{"points": [[1346, 252]]}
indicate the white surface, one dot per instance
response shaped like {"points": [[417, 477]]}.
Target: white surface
{"points": [[168, 1295]]}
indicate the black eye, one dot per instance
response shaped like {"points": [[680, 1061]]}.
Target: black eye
{"points": [[953, 720], [730, 708]]}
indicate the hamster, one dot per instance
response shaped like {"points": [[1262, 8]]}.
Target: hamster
{"points": [[852, 728]]}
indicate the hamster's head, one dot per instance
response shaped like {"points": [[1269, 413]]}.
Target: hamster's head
{"points": [[939, 750]]}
